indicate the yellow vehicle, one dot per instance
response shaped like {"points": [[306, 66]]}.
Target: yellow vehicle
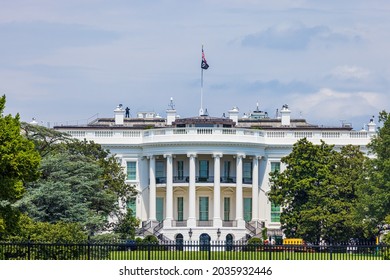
{"points": [[293, 241]]}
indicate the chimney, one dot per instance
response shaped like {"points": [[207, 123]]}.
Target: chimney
{"points": [[233, 114], [171, 113], [285, 113], [119, 114]]}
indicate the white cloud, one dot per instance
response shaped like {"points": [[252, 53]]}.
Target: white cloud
{"points": [[329, 105], [348, 72]]}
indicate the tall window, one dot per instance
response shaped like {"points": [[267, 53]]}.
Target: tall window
{"points": [[203, 208], [159, 169], [160, 209], [275, 209], [131, 170], [131, 206], [180, 208], [203, 169], [226, 208], [275, 213], [247, 209], [247, 172], [180, 170], [226, 170]]}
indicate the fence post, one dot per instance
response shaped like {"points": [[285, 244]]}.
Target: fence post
{"points": [[29, 248], [331, 251], [89, 248], [149, 251]]}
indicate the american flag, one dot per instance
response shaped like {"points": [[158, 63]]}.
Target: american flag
{"points": [[204, 64]]}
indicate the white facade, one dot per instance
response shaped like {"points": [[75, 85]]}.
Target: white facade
{"points": [[207, 176]]}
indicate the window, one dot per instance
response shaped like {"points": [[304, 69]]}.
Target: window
{"points": [[131, 170], [203, 169], [247, 172], [275, 209], [159, 169], [275, 213], [180, 170], [160, 172], [132, 206], [275, 166], [226, 170], [226, 208], [247, 209], [180, 210], [160, 209], [203, 208]]}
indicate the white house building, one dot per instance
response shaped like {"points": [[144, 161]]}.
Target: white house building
{"points": [[205, 178]]}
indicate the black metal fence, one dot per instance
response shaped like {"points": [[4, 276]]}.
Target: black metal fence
{"points": [[129, 250]]}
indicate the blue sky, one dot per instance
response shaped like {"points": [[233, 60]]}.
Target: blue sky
{"points": [[70, 61]]}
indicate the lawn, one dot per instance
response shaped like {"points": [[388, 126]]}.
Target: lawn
{"points": [[238, 255]]}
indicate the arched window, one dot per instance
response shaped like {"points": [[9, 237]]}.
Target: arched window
{"points": [[229, 242], [179, 242], [204, 242]]}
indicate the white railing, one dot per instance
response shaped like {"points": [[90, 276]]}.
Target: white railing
{"points": [[220, 134]]}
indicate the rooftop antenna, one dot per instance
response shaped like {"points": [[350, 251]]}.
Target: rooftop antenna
{"points": [[171, 105], [257, 106]]}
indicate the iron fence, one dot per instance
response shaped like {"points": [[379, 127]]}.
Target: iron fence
{"points": [[184, 250]]}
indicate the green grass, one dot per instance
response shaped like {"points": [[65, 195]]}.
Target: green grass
{"points": [[261, 255]]}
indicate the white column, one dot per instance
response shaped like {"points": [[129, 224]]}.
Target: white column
{"points": [[152, 188], [217, 221], [191, 222], [169, 193], [239, 197], [255, 188]]}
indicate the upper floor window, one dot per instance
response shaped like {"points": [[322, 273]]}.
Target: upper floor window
{"points": [[203, 169], [275, 166], [180, 170], [131, 170]]}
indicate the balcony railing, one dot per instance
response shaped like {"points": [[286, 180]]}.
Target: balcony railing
{"points": [[209, 179], [181, 179], [229, 223], [161, 180], [179, 223], [208, 223], [228, 179], [198, 179]]}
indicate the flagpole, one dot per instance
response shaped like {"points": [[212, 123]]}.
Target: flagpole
{"points": [[201, 94], [201, 90]]}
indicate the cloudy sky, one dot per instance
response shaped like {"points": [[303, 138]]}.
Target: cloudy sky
{"points": [[70, 61]]}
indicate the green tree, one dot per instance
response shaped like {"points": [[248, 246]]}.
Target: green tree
{"points": [[316, 191], [374, 196], [126, 225], [80, 182], [45, 139], [19, 164]]}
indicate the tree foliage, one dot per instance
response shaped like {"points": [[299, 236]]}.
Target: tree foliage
{"points": [[317, 191], [19, 164], [81, 182], [374, 197]]}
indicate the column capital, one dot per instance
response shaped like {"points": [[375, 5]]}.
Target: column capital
{"points": [[219, 155], [240, 155], [258, 156], [192, 154], [150, 156], [168, 155]]}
